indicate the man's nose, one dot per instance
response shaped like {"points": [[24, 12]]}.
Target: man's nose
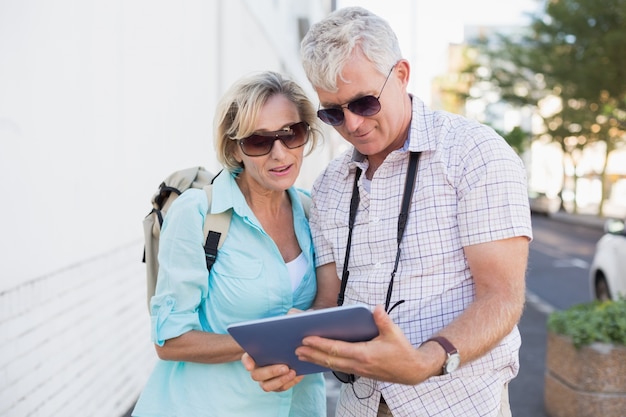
{"points": [[351, 120]]}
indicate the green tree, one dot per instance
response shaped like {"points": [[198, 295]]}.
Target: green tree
{"points": [[573, 51], [517, 138]]}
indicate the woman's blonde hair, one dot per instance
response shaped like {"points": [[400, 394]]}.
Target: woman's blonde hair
{"points": [[239, 107]]}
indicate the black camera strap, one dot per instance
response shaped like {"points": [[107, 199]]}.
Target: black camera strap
{"points": [[409, 186]]}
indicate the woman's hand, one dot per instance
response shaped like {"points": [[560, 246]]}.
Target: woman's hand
{"points": [[272, 378]]}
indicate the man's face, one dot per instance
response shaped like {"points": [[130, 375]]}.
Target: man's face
{"points": [[385, 131]]}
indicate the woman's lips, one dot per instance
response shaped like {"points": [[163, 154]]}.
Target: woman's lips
{"points": [[281, 170]]}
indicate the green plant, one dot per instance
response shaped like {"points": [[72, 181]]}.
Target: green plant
{"points": [[592, 322]]}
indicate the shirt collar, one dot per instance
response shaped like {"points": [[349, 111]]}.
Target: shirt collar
{"points": [[418, 139], [226, 188]]}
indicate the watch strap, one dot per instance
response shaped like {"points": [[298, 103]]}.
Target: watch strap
{"points": [[453, 359], [445, 344]]}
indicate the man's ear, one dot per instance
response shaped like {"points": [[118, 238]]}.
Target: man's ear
{"points": [[403, 71]]}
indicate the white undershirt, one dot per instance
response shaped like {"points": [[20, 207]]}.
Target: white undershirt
{"points": [[297, 269], [367, 184]]}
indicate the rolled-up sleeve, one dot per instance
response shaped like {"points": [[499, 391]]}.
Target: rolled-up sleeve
{"points": [[183, 278]]}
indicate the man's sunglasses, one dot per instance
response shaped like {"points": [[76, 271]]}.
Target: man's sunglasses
{"points": [[362, 106], [259, 144]]}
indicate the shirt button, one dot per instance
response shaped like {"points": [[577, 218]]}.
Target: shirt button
{"points": [[374, 220], [377, 265]]}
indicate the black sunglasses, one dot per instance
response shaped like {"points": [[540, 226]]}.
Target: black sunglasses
{"points": [[362, 106], [261, 143]]}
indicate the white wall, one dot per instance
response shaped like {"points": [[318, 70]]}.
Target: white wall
{"points": [[99, 100]]}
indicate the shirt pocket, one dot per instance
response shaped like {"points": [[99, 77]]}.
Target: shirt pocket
{"points": [[237, 268]]}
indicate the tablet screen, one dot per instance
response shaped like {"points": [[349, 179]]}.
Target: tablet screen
{"points": [[274, 340]]}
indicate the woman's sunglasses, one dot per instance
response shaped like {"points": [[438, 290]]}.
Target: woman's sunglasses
{"points": [[362, 106], [259, 144]]}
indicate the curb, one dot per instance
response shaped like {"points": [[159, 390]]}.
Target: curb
{"points": [[588, 220]]}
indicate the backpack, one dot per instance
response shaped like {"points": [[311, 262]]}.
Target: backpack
{"points": [[215, 225]]}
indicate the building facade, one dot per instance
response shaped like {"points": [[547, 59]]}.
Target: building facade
{"points": [[99, 101]]}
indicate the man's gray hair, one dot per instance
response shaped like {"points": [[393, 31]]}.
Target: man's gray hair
{"points": [[335, 39]]}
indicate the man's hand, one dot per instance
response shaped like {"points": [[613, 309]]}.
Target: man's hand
{"points": [[388, 357], [273, 378]]}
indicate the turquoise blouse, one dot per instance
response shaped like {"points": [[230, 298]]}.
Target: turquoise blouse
{"points": [[249, 280]]}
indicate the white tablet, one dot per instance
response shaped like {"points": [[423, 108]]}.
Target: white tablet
{"points": [[274, 340]]}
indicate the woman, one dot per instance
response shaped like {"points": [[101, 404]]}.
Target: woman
{"points": [[264, 268]]}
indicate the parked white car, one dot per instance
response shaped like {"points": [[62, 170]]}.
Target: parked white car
{"points": [[607, 275]]}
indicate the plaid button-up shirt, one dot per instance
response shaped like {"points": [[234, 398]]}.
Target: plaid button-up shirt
{"points": [[470, 188]]}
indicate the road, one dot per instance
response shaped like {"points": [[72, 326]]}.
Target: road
{"points": [[560, 255], [558, 265]]}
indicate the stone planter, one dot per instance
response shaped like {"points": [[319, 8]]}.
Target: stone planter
{"points": [[585, 382]]}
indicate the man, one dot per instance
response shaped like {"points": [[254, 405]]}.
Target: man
{"points": [[453, 283]]}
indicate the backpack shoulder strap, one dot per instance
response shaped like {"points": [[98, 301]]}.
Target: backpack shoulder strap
{"points": [[215, 229], [216, 225]]}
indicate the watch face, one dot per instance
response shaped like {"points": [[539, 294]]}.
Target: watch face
{"points": [[453, 362]]}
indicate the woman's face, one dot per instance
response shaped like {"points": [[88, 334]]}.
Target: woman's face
{"points": [[278, 170]]}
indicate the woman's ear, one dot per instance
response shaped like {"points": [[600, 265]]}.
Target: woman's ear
{"points": [[237, 156]]}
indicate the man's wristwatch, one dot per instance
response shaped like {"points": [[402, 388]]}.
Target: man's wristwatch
{"points": [[453, 360]]}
